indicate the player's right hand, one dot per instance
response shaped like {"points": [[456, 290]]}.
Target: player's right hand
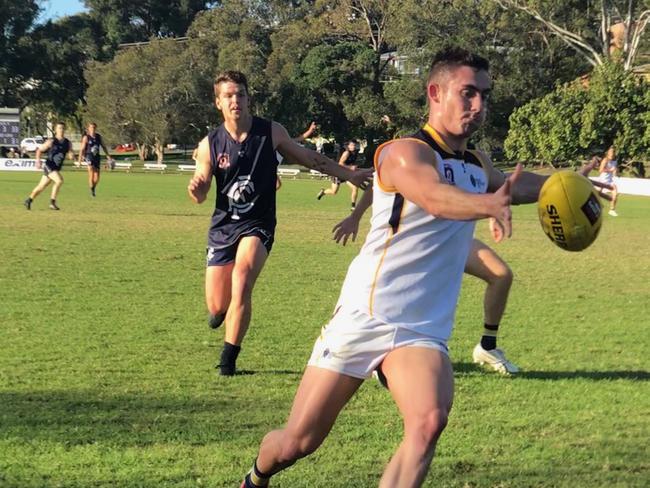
{"points": [[347, 227], [197, 188], [502, 199], [38, 165]]}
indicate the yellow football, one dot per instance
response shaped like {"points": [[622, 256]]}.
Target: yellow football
{"points": [[570, 211]]}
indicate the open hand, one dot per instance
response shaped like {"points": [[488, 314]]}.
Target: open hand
{"points": [[502, 214], [361, 178], [347, 227]]}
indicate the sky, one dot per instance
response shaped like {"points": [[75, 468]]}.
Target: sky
{"points": [[53, 9]]}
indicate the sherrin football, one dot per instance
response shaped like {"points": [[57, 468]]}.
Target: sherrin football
{"points": [[570, 211]]}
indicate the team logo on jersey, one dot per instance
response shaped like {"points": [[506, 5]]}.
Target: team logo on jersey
{"points": [[449, 174], [476, 181], [223, 160], [241, 196]]}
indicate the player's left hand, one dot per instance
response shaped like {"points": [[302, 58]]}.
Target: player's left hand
{"points": [[600, 186], [361, 178], [347, 227]]}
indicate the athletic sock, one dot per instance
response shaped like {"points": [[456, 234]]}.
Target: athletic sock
{"points": [[256, 479], [489, 339], [228, 359], [52, 201]]}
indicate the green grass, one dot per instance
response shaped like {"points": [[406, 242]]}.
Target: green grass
{"points": [[106, 360]]}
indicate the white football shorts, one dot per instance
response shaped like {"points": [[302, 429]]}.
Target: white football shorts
{"points": [[355, 344]]}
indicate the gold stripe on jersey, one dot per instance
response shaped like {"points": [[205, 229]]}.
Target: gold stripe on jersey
{"points": [[399, 206], [438, 140]]}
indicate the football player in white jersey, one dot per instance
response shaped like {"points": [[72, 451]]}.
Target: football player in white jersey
{"points": [[482, 262], [397, 304]]}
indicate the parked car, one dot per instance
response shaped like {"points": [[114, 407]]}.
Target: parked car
{"points": [[31, 144]]}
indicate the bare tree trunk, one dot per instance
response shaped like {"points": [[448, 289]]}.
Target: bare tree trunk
{"points": [[160, 151], [143, 151]]}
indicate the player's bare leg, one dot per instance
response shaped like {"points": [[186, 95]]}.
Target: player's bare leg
{"points": [[57, 179], [486, 265], [249, 261], [421, 382], [353, 196], [42, 185], [332, 190], [218, 287], [93, 178], [322, 394]]}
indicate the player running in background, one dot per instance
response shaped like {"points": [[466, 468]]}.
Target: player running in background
{"points": [[483, 263], [241, 156], [58, 147], [91, 143], [608, 171], [397, 304], [348, 158]]}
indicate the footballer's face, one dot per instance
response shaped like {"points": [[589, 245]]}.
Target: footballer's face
{"points": [[59, 131], [232, 100], [459, 96], [91, 129]]}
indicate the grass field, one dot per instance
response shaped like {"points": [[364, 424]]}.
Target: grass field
{"points": [[106, 360]]}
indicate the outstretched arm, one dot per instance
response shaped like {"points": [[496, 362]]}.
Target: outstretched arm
{"points": [[529, 184], [296, 154], [307, 133], [199, 186], [407, 166]]}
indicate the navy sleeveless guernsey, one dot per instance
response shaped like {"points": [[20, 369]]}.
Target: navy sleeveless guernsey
{"points": [[93, 144], [57, 153], [245, 174]]}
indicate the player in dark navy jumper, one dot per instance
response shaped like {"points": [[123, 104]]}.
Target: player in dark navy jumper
{"points": [[57, 147], [241, 156], [348, 158], [91, 143]]}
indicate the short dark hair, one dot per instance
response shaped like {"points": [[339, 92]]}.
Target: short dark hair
{"points": [[454, 57], [60, 123], [93, 124], [230, 76]]}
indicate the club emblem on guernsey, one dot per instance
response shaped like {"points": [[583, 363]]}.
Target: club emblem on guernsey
{"points": [[241, 196], [223, 160]]}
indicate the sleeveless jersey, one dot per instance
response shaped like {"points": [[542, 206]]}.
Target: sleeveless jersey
{"points": [[606, 176], [409, 270], [352, 158], [93, 144], [245, 174], [57, 153]]}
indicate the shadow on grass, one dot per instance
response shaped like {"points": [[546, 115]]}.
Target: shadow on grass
{"points": [[465, 368], [85, 417], [589, 375]]}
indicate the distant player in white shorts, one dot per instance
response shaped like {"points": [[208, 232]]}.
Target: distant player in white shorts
{"points": [[398, 300], [608, 171]]}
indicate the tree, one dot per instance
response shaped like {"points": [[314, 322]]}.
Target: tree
{"points": [[16, 22], [147, 95], [64, 48], [141, 20], [610, 31], [582, 118]]}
